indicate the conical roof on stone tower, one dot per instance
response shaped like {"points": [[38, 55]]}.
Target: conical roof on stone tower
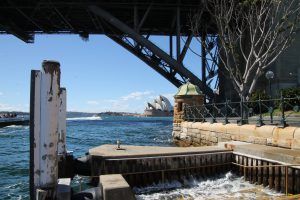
{"points": [[188, 89]]}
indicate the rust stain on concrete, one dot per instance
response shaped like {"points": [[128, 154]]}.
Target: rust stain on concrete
{"points": [[52, 67]]}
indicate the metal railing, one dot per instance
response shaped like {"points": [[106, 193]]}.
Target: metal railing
{"points": [[280, 112]]}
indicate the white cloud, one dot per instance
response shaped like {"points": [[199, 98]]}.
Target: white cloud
{"points": [[136, 95], [92, 102], [132, 102], [19, 107], [152, 97]]}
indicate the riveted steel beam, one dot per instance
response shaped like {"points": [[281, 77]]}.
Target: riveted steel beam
{"points": [[157, 52], [203, 58], [144, 17], [178, 48], [25, 15], [186, 47], [14, 30], [154, 64]]}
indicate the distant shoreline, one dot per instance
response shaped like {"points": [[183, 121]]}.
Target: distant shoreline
{"points": [[119, 114]]}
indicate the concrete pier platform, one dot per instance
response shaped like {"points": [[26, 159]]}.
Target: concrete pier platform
{"points": [[278, 168], [144, 165], [128, 151]]}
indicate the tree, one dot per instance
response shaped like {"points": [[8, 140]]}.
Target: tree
{"points": [[251, 35]]}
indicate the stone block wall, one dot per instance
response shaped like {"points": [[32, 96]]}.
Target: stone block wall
{"points": [[180, 102], [207, 134]]}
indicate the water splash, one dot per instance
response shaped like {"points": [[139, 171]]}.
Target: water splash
{"points": [[18, 126], [84, 118], [227, 186]]}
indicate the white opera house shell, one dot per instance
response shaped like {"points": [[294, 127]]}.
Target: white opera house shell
{"points": [[160, 107]]}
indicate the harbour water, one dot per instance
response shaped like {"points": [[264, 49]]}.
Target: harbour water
{"points": [[85, 132]]}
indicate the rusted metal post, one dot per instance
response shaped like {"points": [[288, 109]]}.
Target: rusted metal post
{"points": [[259, 172], [44, 127], [286, 180], [163, 176], [265, 173], [271, 176], [277, 177]]}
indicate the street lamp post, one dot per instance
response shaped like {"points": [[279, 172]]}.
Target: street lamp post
{"points": [[269, 76]]}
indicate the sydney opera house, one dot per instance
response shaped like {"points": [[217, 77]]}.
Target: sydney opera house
{"points": [[160, 107]]}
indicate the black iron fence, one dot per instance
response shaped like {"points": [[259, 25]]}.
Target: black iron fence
{"points": [[280, 112]]}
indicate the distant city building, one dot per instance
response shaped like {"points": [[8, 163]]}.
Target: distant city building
{"points": [[160, 107], [286, 70]]}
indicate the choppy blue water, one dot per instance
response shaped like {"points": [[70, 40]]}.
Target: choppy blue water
{"points": [[83, 133]]}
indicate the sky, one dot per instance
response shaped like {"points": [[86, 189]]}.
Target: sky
{"points": [[99, 75]]}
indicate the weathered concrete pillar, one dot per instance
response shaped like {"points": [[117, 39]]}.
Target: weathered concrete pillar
{"points": [[50, 90], [62, 123], [35, 115], [44, 109]]}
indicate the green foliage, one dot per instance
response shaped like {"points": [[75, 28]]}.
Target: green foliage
{"points": [[288, 93], [253, 101], [259, 94]]}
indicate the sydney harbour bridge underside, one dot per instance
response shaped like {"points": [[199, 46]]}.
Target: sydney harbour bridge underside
{"points": [[130, 23]]}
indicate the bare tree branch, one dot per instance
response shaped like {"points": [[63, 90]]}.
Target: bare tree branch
{"points": [[252, 34]]}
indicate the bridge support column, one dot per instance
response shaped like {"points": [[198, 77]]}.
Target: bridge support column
{"points": [[178, 48]]}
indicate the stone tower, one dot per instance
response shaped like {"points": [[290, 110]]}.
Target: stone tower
{"points": [[188, 94]]}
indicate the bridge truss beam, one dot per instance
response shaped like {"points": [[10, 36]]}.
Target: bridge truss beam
{"points": [[173, 70]]}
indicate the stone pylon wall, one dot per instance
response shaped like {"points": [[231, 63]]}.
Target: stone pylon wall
{"points": [[180, 102]]}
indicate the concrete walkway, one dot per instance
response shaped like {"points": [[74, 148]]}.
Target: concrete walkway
{"points": [[280, 155], [146, 151]]}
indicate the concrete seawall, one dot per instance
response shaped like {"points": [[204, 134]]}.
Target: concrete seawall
{"points": [[276, 167], [266, 155], [144, 165], [207, 134]]}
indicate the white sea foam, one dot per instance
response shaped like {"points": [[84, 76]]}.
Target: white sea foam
{"points": [[84, 118], [17, 126], [228, 187]]}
